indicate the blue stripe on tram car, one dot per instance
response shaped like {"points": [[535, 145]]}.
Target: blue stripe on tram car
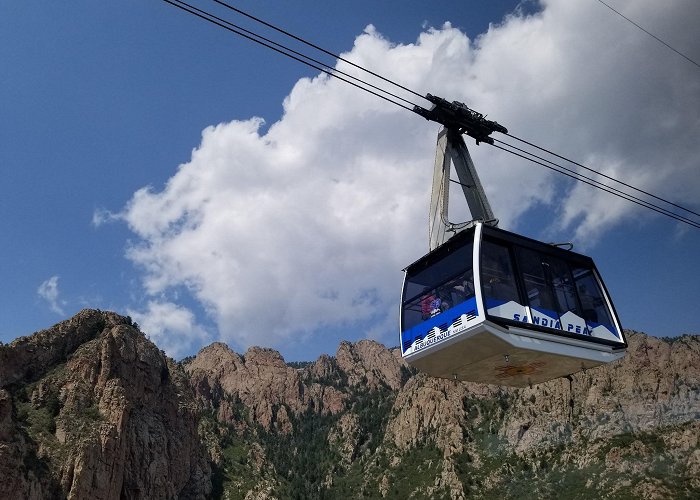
{"points": [[446, 322]]}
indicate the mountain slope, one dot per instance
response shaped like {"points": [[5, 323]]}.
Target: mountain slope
{"points": [[626, 429], [92, 409]]}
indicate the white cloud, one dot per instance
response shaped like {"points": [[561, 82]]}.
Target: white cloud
{"points": [[281, 234], [171, 326], [48, 291], [101, 216]]}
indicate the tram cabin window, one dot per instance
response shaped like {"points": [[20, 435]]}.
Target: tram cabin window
{"points": [[548, 283], [497, 276], [595, 310], [539, 294], [545, 287], [438, 286]]}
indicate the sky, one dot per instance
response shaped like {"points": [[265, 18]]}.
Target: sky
{"points": [[158, 166]]}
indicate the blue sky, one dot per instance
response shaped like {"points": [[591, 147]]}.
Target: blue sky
{"points": [[292, 233]]}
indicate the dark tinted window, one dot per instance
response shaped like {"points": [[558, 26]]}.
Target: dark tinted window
{"points": [[567, 293], [438, 272], [497, 277], [563, 286], [539, 294], [595, 310], [438, 287]]}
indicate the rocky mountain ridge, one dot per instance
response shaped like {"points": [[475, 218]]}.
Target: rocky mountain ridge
{"points": [[90, 408]]}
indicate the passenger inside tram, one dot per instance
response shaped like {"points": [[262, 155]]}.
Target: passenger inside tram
{"points": [[427, 302], [461, 288]]}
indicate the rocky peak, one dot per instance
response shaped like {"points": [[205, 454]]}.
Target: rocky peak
{"points": [[104, 411], [368, 363], [261, 381], [216, 360], [323, 369], [30, 357], [264, 357]]}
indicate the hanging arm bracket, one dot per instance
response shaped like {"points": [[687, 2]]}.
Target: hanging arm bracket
{"points": [[457, 116], [457, 120]]}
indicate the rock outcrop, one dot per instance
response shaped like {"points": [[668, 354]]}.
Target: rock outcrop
{"points": [[369, 364], [261, 381], [100, 412], [656, 384], [633, 417]]}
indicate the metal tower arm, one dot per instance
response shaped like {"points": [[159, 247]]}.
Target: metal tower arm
{"points": [[457, 119], [451, 148]]}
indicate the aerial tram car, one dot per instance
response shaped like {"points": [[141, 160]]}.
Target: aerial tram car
{"points": [[487, 305]]}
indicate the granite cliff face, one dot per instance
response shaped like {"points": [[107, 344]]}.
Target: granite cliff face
{"points": [[262, 382], [628, 429], [363, 424], [91, 409]]}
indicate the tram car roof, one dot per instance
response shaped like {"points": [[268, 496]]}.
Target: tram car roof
{"points": [[466, 236]]}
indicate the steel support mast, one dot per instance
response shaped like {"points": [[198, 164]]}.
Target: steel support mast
{"points": [[457, 119]]}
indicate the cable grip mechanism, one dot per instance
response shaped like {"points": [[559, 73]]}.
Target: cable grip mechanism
{"points": [[457, 116]]}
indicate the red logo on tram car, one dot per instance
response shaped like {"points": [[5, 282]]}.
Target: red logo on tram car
{"points": [[509, 371]]}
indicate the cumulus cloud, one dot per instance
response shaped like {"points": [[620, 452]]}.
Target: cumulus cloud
{"points": [[281, 234], [171, 326], [48, 291]]}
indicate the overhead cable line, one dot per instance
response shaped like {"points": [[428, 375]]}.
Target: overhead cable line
{"points": [[310, 44], [596, 184], [457, 117], [428, 97], [286, 51], [600, 173], [474, 118], [604, 187], [648, 33]]}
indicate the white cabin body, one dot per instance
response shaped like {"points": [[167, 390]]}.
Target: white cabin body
{"points": [[494, 307]]}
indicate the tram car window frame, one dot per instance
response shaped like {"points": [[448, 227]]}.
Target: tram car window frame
{"points": [[558, 285]]}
